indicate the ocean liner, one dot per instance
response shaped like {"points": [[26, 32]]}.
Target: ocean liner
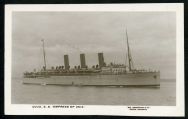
{"points": [[102, 74]]}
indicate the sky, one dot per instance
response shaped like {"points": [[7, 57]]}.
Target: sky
{"points": [[152, 39]]}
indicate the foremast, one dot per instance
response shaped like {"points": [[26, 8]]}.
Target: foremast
{"points": [[130, 61]]}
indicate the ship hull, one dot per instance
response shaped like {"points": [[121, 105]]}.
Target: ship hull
{"points": [[132, 79]]}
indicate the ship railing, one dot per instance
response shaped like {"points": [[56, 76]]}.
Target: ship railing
{"points": [[142, 71], [53, 72]]}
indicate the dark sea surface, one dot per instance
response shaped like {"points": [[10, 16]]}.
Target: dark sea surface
{"points": [[165, 95]]}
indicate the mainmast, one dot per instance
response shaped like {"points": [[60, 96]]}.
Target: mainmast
{"points": [[129, 54], [44, 54]]}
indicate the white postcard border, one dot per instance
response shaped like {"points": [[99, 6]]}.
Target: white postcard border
{"points": [[27, 109]]}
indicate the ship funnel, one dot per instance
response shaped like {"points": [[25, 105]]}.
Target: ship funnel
{"points": [[66, 61], [101, 60], [82, 61]]}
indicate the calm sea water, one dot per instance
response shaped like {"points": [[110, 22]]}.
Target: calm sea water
{"points": [[92, 95]]}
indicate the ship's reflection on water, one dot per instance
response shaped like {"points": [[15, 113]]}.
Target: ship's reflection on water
{"points": [[94, 95]]}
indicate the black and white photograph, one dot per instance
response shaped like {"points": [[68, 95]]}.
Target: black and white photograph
{"points": [[94, 57]]}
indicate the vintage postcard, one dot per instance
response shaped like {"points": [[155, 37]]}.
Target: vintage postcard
{"points": [[102, 59]]}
